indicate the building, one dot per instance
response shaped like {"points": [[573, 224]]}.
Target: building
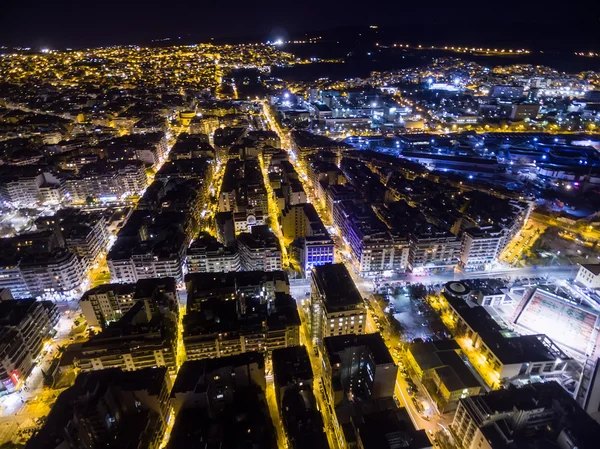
{"points": [[57, 272], [524, 111], [375, 250], [244, 221], [24, 325], [221, 403], [507, 92], [480, 247], [207, 255], [144, 337], [265, 138], [441, 370], [106, 303], [150, 245], [11, 279], [259, 250], [588, 391], [302, 421], [301, 220], [108, 406], [21, 190], [291, 368], [321, 175], [192, 146], [219, 329], [85, 234], [433, 251], [540, 414], [211, 383], [225, 228], [144, 144], [242, 187], [589, 276], [314, 251], [388, 427], [304, 143], [554, 311], [204, 125], [232, 313], [312, 245], [336, 306], [204, 286], [506, 356], [109, 302], [106, 181], [5, 294], [358, 367], [33, 249], [340, 192]]}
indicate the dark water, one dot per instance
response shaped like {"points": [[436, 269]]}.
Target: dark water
{"points": [[360, 60]]}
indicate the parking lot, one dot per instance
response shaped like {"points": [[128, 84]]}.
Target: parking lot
{"points": [[416, 317]]}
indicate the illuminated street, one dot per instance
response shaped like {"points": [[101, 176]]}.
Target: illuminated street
{"points": [[181, 207]]}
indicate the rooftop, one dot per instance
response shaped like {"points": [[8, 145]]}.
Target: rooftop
{"points": [[193, 372], [337, 287], [593, 267], [291, 365], [374, 342]]}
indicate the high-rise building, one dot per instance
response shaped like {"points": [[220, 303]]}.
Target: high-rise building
{"points": [[242, 187], [150, 245], [358, 366], [336, 306], [480, 247], [84, 234], [375, 250]]}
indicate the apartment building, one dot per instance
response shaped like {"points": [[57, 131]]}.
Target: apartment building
{"points": [[259, 250], [336, 306], [24, 325], [480, 247], [59, 271], [207, 255]]}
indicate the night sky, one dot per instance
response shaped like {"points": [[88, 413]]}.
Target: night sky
{"points": [[60, 23]]}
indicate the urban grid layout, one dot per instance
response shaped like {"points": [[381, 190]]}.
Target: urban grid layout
{"points": [[220, 246]]}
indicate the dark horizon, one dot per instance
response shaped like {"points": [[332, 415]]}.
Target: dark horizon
{"points": [[59, 24]]}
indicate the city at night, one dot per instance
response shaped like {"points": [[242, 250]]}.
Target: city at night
{"points": [[299, 226]]}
